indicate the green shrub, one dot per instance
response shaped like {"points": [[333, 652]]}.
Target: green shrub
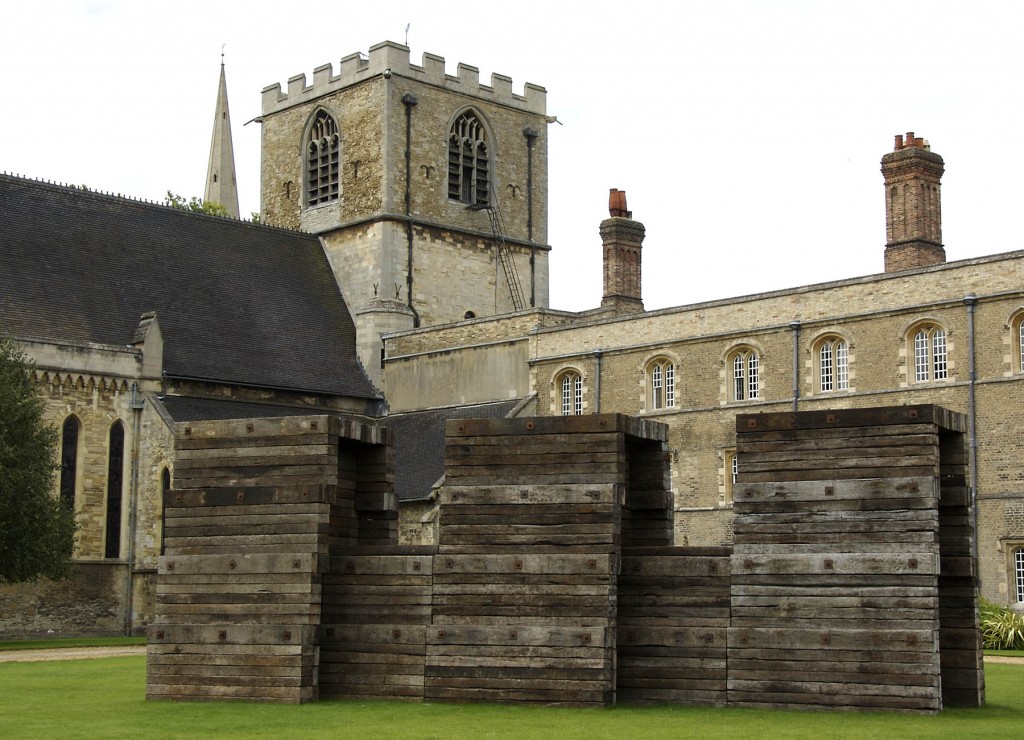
{"points": [[1001, 627]]}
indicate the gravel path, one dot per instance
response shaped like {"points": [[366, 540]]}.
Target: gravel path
{"points": [[22, 656]]}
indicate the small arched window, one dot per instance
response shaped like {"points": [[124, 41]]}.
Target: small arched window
{"points": [[115, 480], [570, 388], [69, 461], [661, 384], [468, 161], [323, 160], [833, 364], [745, 368], [928, 342]]}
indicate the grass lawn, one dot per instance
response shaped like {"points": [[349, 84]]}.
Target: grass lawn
{"points": [[106, 698]]}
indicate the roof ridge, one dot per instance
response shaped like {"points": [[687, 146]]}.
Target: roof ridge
{"points": [[86, 191]]}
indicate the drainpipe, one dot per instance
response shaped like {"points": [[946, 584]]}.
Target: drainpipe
{"points": [[971, 301], [531, 135], [137, 404], [795, 326], [409, 101], [598, 354]]}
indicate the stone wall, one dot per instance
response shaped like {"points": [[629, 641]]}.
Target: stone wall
{"points": [[98, 393]]}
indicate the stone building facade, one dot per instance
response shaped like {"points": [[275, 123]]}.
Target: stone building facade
{"points": [[924, 331], [420, 292]]}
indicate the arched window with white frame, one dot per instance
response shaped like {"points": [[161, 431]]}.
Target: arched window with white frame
{"points": [[1017, 337], [928, 348], [744, 366], [570, 390], [833, 356], [661, 384]]}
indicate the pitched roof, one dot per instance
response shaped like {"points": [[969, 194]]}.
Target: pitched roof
{"points": [[418, 438], [237, 302]]}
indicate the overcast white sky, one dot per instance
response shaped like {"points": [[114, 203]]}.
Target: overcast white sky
{"points": [[746, 133]]}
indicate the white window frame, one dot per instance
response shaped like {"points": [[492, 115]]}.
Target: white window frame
{"points": [[661, 384], [746, 375], [931, 359], [571, 389], [833, 365], [1018, 575]]}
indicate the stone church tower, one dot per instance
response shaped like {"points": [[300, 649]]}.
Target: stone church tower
{"points": [[913, 213], [428, 190]]}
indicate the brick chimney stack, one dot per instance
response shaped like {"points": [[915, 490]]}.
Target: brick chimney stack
{"points": [[913, 213], [622, 238]]}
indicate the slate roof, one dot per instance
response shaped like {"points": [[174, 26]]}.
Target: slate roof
{"points": [[237, 303], [418, 439]]}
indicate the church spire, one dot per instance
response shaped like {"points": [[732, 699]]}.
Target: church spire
{"points": [[220, 175]]}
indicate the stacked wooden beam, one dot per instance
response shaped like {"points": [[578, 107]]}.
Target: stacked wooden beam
{"points": [[962, 671], [672, 623], [835, 569], [528, 542], [376, 612], [248, 530]]}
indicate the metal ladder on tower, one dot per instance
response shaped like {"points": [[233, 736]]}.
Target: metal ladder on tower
{"points": [[508, 264]]}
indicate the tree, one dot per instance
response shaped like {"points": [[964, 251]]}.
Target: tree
{"points": [[195, 204], [36, 528]]}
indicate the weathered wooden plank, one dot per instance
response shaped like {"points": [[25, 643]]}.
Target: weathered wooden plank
{"points": [[231, 634], [212, 467], [825, 639], [914, 563], [239, 563], [536, 563], [837, 418], [871, 471], [452, 495], [248, 495]]}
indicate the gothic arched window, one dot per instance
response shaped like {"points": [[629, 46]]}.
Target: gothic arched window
{"points": [[69, 461], [468, 161], [929, 351], [323, 160], [833, 364], [115, 479], [661, 384], [570, 386], [745, 367]]}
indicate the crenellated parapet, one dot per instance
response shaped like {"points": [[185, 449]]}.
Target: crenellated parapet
{"points": [[389, 59]]}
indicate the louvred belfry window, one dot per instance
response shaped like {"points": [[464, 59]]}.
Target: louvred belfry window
{"points": [[323, 160], [468, 161]]}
